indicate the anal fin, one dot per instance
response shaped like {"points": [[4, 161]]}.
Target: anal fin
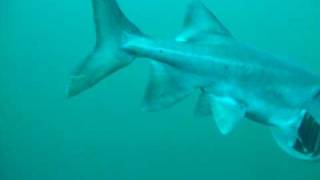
{"points": [[167, 86]]}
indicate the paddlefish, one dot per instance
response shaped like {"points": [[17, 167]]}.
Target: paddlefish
{"points": [[235, 81]]}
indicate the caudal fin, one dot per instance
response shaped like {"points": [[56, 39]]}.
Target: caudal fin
{"points": [[112, 29]]}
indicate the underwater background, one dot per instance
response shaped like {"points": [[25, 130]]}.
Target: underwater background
{"points": [[103, 134]]}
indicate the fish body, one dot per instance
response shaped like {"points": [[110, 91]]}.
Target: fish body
{"points": [[236, 81]]}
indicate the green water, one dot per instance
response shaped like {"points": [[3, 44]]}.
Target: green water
{"points": [[103, 134]]}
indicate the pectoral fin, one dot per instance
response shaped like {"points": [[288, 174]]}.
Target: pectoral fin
{"points": [[227, 112]]}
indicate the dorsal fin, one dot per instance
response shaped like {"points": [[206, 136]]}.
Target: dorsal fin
{"points": [[201, 24]]}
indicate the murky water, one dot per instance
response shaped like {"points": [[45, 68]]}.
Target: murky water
{"points": [[103, 134]]}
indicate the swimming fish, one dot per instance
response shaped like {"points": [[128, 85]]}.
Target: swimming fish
{"points": [[236, 82]]}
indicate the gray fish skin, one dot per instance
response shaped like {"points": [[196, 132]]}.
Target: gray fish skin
{"points": [[229, 68], [236, 82]]}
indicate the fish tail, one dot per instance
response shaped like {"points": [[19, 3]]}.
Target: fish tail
{"points": [[112, 30]]}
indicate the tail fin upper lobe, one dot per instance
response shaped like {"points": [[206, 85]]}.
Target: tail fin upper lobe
{"points": [[107, 56]]}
